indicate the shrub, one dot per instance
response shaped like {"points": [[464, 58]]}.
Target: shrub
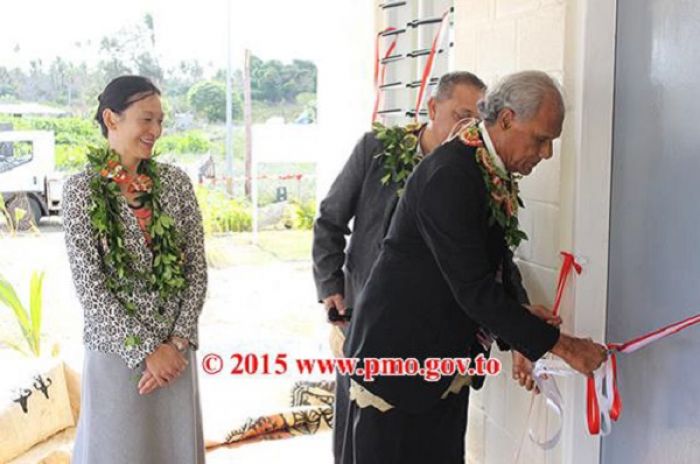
{"points": [[299, 215], [71, 158], [184, 143], [221, 213], [72, 136], [306, 213]]}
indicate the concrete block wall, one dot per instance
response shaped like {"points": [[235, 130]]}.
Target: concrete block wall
{"points": [[494, 38], [345, 89]]}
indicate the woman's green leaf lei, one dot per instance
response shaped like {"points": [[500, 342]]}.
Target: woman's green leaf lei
{"points": [[166, 275]]}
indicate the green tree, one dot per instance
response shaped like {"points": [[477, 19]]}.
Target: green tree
{"points": [[131, 50], [274, 82], [114, 64], [8, 86], [208, 98], [147, 65], [180, 78], [63, 77], [305, 76]]}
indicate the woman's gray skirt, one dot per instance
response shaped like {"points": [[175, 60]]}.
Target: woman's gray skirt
{"points": [[119, 426]]}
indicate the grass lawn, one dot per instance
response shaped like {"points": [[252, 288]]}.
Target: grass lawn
{"points": [[238, 248]]}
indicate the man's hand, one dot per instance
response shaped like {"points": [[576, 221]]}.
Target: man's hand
{"points": [[545, 314], [522, 371], [583, 355], [165, 364], [336, 301]]}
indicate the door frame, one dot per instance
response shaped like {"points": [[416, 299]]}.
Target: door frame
{"points": [[590, 70]]}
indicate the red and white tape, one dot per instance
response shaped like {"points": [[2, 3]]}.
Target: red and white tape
{"points": [[603, 398]]}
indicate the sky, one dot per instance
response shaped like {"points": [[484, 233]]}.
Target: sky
{"points": [[185, 29]]}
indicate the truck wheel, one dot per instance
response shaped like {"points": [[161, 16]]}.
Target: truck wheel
{"points": [[35, 210]]}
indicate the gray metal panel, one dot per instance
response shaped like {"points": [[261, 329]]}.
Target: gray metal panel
{"points": [[655, 230]]}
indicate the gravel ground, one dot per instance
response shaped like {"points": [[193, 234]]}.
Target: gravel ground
{"points": [[267, 307]]}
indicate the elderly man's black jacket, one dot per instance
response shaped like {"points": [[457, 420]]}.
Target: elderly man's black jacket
{"points": [[434, 282], [358, 194]]}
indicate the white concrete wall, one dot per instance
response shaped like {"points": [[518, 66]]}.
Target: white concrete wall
{"points": [[345, 88], [497, 37]]}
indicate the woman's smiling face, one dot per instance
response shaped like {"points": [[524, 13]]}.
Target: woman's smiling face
{"points": [[134, 131]]}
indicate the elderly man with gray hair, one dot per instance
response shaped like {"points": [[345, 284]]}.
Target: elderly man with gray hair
{"points": [[359, 194], [437, 281]]}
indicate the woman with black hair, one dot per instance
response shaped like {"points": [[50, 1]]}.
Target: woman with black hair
{"points": [[136, 249]]}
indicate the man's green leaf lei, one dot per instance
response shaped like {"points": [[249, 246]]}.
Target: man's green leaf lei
{"points": [[502, 187], [401, 157], [400, 151]]}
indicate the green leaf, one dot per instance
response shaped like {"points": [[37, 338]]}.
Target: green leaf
{"points": [[35, 309], [130, 308], [377, 126], [12, 345], [9, 298], [19, 214], [131, 341], [166, 221], [104, 214]]}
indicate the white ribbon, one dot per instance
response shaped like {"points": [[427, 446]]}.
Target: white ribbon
{"points": [[545, 372], [604, 395]]}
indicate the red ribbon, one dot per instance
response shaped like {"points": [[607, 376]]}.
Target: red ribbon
{"points": [[428, 69], [380, 69], [616, 410], [592, 408], [566, 266], [634, 344], [592, 405], [296, 176], [627, 347]]}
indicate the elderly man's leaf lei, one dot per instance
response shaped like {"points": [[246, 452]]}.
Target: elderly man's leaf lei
{"points": [[502, 188], [400, 151], [166, 275]]}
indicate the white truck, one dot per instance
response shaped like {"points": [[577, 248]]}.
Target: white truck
{"points": [[27, 178]]}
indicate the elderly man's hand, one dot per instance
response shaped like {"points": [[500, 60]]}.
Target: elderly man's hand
{"points": [[522, 372], [336, 301], [583, 355], [545, 314]]}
